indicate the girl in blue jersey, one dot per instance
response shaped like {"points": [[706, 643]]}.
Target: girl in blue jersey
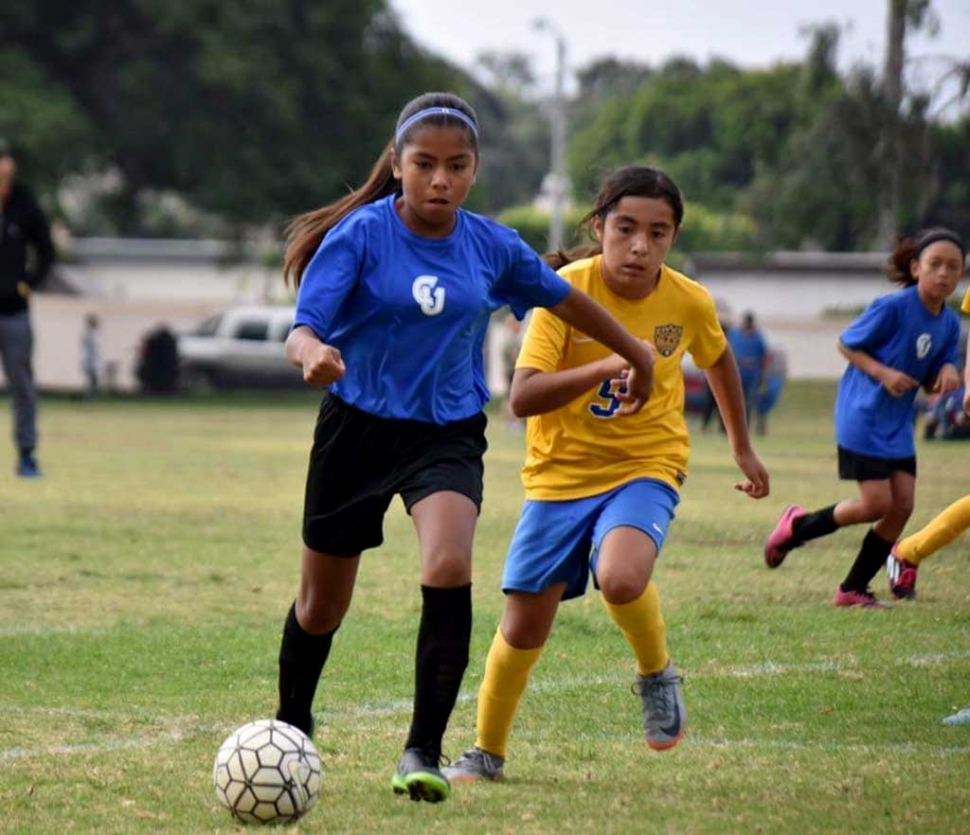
{"points": [[397, 284], [902, 341]]}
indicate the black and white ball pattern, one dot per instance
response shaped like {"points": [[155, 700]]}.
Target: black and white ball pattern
{"points": [[267, 772]]}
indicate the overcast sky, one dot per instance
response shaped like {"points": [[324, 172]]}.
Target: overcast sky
{"points": [[749, 32]]}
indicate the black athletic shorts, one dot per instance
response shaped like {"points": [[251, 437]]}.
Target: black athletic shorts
{"points": [[359, 462], [854, 466]]}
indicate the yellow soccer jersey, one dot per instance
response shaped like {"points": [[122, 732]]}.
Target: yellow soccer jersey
{"points": [[965, 307], [585, 448]]}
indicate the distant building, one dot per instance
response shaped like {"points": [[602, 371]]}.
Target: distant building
{"points": [[803, 300], [792, 285], [169, 269], [133, 286]]}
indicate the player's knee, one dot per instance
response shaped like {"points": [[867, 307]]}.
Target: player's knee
{"points": [[524, 635], [618, 589], [319, 614], [446, 569], [875, 507]]}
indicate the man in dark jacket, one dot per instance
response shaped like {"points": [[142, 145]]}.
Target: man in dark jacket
{"points": [[26, 255]]}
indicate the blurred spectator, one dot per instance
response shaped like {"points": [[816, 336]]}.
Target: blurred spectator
{"points": [[24, 231], [945, 417], [776, 372], [90, 354], [158, 365], [751, 353]]}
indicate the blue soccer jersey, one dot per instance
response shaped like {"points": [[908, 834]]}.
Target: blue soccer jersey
{"points": [[899, 331], [409, 314]]}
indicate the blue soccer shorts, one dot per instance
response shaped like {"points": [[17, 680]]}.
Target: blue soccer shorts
{"points": [[558, 542]]}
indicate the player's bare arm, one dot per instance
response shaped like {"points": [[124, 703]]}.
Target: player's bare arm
{"points": [[756, 483], [321, 363], [895, 382], [586, 315], [725, 382], [947, 380], [536, 392]]}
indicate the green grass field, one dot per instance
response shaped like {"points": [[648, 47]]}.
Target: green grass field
{"points": [[144, 580]]}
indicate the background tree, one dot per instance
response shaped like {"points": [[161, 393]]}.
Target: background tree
{"points": [[250, 110], [515, 145], [194, 117], [902, 15]]}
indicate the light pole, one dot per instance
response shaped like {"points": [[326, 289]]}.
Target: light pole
{"points": [[558, 130]]}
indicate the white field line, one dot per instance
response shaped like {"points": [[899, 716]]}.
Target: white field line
{"points": [[104, 746], [833, 747], [78, 713], [178, 729], [110, 745], [13, 631]]}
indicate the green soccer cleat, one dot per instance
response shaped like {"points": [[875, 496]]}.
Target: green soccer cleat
{"points": [[418, 775]]}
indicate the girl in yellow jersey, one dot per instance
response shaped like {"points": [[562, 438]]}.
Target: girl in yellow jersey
{"points": [[909, 553], [602, 485]]}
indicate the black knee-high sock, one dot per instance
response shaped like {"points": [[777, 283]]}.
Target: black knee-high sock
{"points": [[302, 657], [813, 525], [440, 661], [870, 559]]}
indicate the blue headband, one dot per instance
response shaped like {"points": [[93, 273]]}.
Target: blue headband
{"points": [[435, 111], [934, 235]]}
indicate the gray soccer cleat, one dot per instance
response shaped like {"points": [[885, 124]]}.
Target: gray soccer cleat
{"points": [[664, 713], [474, 765]]}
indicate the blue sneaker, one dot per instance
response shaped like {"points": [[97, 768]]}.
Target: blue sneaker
{"points": [[27, 467]]}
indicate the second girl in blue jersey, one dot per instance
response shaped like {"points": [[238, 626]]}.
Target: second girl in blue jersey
{"points": [[902, 341], [397, 284]]}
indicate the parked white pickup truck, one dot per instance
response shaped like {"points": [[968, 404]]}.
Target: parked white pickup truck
{"points": [[242, 346]]}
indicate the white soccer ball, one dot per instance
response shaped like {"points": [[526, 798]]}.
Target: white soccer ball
{"points": [[267, 772]]}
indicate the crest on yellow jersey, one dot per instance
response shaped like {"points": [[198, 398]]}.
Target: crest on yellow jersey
{"points": [[666, 338]]}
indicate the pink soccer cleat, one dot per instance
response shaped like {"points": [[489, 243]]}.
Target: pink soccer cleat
{"points": [[901, 575], [866, 599], [776, 545]]}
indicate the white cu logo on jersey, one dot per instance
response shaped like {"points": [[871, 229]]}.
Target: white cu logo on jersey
{"points": [[923, 345], [428, 295]]}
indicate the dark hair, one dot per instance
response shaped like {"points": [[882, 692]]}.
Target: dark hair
{"points": [[629, 181], [909, 249], [305, 232]]}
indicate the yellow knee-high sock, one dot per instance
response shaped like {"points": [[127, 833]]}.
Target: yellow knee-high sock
{"points": [[506, 676], [642, 623], [941, 531]]}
